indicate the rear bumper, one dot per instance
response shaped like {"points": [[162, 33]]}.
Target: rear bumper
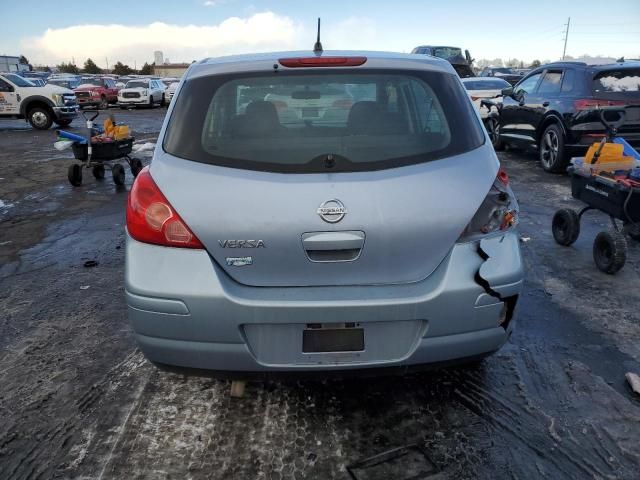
{"points": [[187, 312], [581, 141]]}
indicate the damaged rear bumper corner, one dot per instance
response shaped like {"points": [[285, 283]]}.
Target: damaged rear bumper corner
{"points": [[502, 271], [501, 274]]}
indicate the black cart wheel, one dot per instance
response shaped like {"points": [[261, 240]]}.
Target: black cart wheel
{"points": [[118, 174], [98, 172], [610, 251], [74, 174], [634, 230], [565, 226]]}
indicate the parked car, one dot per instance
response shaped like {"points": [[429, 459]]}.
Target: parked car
{"points": [[170, 91], [37, 78], [480, 90], [142, 92], [169, 80], [38, 82], [463, 65], [522, 71], [555, 108], [96, 92], [382, 237], [504, 73], [69, 83], [40, 106]]}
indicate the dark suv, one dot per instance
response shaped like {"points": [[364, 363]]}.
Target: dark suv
{"points": [[555, 108]]}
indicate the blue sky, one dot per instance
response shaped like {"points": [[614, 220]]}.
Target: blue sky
{"points": [[51, 31]]}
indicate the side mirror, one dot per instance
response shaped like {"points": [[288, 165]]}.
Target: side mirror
{"points": [[507, 92]]}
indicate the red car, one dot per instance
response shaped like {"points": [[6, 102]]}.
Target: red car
{"points": [[96, 92]]}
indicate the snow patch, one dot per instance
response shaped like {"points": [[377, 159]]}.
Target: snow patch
{"points": [[144, 147]]}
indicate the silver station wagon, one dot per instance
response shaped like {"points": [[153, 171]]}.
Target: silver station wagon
{"points": [[333, 211]]}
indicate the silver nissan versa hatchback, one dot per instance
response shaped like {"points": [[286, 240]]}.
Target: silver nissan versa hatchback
{"points": [[325, 211]]}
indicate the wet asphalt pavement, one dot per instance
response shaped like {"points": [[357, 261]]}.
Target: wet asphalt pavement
{"points": [[78, 400]]}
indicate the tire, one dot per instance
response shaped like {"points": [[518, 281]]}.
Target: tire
{"points": [[104, 103], [610, 251], [118, 174], [553, 156], [492, 124], [40, 118], [63, 122], [565, 226], [136, 166], [151, 101], [98, 172], [163, 102], [633, 230], [74, 174]]}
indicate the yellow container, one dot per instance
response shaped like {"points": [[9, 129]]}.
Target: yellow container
{"points": [[121, 132], [611, 152], [611, 158]]}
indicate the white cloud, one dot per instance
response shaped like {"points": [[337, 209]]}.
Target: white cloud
{"points": [[210, 3], [259, 32]]}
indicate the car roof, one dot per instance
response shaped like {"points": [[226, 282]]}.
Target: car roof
{"points": [[266, 61], [599, 66], [436, 46]]}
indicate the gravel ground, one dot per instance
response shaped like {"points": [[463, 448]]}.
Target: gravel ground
{"points": [[78, 400]]}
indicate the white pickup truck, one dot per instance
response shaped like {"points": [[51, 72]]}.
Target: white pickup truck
{"points": [[40, 106]]}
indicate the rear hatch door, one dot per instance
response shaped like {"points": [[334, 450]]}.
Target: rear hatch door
{"points": [[398, 224]]}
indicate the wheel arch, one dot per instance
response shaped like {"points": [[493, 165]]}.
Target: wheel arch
{"points": [[36, 101], [550, 119]]}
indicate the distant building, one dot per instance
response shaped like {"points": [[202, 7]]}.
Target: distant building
{"points": [[158, 58], [12, 64], [170, 69]]}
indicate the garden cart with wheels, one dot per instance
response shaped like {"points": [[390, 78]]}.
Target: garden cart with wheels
{"points": [[99, 155], [608, 180]]}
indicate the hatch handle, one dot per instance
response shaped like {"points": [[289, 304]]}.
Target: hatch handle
{"points": [[350, 240]]}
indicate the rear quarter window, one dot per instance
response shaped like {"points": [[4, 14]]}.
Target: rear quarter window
{"points": [[617, 81], [305, 122]]}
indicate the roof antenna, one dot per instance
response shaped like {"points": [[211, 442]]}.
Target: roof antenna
{"points": [[317, 48]]}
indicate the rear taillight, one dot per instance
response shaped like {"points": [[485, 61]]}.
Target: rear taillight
{"points": [[322, 62], [592, 103], [498, 212], [152, 219]]}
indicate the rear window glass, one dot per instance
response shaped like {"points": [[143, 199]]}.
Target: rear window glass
{"points": [[616, 81], [306, 122]]}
